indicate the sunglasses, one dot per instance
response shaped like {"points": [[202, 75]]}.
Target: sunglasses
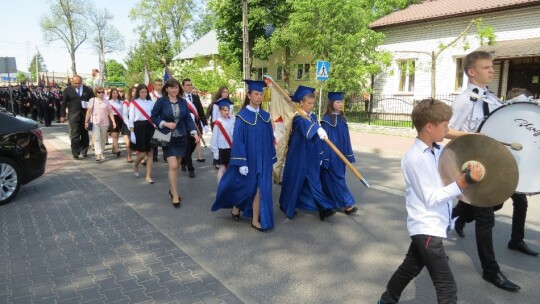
{"points": [[100, 92]]}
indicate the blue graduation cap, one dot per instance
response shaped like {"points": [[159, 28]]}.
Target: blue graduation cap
{"points": [[335, 96], [302, 91], [224, 102], [255, 85]]}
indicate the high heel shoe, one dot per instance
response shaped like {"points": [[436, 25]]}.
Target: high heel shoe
{"points": [[175, 204], [236, 217], [260, 229]]}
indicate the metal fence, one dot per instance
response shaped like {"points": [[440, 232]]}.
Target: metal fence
{"points": [[387, 110]]}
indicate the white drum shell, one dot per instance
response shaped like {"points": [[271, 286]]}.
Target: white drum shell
{"points": [[519, 123]]}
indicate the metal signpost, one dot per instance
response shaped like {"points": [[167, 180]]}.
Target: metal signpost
{"points": [[8, 65], [323, 73]]}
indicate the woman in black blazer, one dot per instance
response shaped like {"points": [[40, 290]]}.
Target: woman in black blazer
{"points": [[171, 114]]}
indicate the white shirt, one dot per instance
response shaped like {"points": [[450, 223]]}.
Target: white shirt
{"points": [[218, 139], [136, 115], [468, 114], [189, 100], [125, 111], [118, 105], [155, 95], [428, 201]]}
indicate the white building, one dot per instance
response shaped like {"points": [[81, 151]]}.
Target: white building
{"points": [[422, 27]]}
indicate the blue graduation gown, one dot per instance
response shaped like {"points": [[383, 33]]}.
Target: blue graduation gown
{"points": [[301, 186], [333, 168], [253, 146]]}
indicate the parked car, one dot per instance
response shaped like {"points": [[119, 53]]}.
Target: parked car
{"points": [[22, 154]]}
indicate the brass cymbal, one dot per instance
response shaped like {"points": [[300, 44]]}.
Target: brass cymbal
{"points": [[501, 170]]}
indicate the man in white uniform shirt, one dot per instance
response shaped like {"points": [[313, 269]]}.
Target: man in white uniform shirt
{"points": [[470, 108]]}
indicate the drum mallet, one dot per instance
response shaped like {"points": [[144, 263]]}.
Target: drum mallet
{"points": [[513, 146]]}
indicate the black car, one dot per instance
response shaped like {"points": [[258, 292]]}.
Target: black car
{"points": [[22, 154]]}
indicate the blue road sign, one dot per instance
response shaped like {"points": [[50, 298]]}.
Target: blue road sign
{"points": [[323, 70]]}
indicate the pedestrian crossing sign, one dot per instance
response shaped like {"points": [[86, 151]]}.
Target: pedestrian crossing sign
{"points": [[323, 70]]}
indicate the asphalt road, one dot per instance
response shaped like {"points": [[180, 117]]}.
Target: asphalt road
{"points": [[345, 259]]}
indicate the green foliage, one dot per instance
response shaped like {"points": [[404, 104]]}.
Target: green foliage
{"points": [[339, 34], [168, 17], [486, 33], [22, 77], [116, 72], [205, 76], [228, 23], [154, 54], [204, 22], [37, 60]]}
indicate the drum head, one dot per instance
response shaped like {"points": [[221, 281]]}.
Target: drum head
{"points": [[519, 123]]}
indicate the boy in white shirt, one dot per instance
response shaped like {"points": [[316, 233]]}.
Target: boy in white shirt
{"points": [[221, 142], [429, 205]]}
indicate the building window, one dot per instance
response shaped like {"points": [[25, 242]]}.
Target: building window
{"points": [[302, 72], [406, 75], [279, 74], [459, 74], [260, 72]]}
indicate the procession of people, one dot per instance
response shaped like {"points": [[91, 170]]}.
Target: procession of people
{"points": [[243, 147]]}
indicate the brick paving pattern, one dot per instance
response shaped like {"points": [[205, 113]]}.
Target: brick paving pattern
{"points": [[86, 245]]}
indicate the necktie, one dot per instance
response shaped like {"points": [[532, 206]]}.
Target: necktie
{"points": [[190, 99]]}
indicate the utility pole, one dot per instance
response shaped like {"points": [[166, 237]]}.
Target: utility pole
{"points": [[37, 66], [245, 36]]}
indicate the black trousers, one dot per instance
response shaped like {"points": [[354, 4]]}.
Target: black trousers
{"points": [[425, 251], [485, 220], [78, 136], [49, 115], [518, 217], [186, 160]]}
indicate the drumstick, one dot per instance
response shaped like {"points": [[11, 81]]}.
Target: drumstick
{"points": [[513, 146]]}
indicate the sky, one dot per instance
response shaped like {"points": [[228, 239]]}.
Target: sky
{"points": [[21, 35]]}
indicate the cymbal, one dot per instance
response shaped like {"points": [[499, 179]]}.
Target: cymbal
{"points": [[501, 170]]}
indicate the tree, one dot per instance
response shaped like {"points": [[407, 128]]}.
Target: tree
{"points": [[106, 39], [172, 17], [66, 22], [207, 78], [154, 55], [41, 66], [228, 23], [22, 77], [116, 72], [340, 34]]}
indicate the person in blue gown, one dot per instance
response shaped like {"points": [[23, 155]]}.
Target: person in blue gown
{"points": [[301, 185], [333, 168], [247, 183]]}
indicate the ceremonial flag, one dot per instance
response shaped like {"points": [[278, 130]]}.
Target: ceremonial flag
{"points": [[282, 116], [147, 81], [53, 79], [48, 82], [42, 81], [166, 75]]}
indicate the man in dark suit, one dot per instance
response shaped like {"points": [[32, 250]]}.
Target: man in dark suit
{"points": [[197, 113], [73, 98]]}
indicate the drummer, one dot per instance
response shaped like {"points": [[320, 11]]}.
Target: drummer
{"points": [[470, 107], [519, 200]]}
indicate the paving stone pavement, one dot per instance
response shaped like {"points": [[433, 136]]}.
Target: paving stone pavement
{"points": [[69, 239]]}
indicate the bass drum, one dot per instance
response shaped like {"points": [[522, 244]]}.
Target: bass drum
{"points": [[519, 123]]}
